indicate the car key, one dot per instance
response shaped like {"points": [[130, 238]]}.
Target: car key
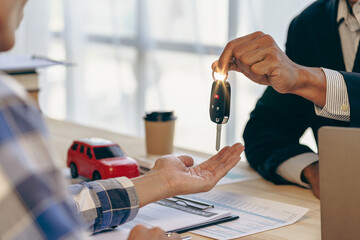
{"points": [[219, 103]]}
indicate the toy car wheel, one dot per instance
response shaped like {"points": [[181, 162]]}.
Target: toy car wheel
{"points": [[73, 170], [96, 175]]}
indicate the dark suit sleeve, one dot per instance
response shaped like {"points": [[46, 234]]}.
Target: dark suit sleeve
{"points": [[275, 126], [272, 134]]}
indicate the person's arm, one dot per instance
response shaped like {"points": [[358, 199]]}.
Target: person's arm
{"points": [[177, 175], [292, 169], [105, 203], [108, 203], [258, 57], [33, 199], [284, 159], [303, 170], [272, 134], [34, 189]]}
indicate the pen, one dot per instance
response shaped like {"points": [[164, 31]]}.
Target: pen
{"points": [[192, 203]]}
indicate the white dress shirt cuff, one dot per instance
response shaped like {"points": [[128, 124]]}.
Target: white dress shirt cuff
{"points": [[337, 101], [291, 169]]}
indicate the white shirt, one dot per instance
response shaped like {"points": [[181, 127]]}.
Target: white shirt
{"points": [[337, 101]]}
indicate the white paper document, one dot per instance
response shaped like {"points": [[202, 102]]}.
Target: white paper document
{"points": [[256, 214], [169, 215], [14, 63]]}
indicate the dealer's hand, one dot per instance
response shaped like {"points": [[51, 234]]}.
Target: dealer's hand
{"points": [[259, 58], [176, 175], [311, 175], [140, 232]]}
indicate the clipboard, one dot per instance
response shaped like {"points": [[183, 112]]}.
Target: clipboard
{"points": [[169, 214], [202, 206]]}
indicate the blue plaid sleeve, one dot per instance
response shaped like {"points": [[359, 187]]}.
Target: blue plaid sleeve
{"points": [[34, 203], [106, 203]]}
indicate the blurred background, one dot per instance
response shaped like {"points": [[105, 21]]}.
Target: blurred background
{"points": [[134, 56]]}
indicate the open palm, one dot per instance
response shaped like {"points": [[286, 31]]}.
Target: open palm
{"points": [[184, 178]]}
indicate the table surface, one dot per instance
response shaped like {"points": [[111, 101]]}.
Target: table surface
{"points": [[63, 133]]}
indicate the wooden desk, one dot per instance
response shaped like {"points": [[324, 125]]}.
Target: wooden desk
{"points": [[63, 133]]}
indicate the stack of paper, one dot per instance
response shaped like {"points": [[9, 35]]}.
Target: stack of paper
{"points": [[24, 63], [169, 215], [256, 215], [23, 68]]}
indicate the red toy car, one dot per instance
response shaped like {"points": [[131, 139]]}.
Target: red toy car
{"points": [[96, 158]]}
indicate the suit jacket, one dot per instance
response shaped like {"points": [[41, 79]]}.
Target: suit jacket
{"points": [[279, 120]]}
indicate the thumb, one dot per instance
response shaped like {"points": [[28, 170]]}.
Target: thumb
{"points": [[174, 236], [187, 160], [215, 65]]}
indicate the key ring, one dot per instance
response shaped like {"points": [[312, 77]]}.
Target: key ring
{"points": [[213, 76]]}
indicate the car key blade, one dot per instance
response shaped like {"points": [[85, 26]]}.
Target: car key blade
{"points": [[218, 136]]}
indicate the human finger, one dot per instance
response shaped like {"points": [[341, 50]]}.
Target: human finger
{"points": [[224, 168], [137, 232], [261, 43], [213, 158], [187, 160], [157, 233], [265, 68], [227, 160], [162, 160], [240, 61], [249, 58], [232, 65], [227, 55], [214, 65], [213, 163], [235, 149], [173, 236], [250, 63]]}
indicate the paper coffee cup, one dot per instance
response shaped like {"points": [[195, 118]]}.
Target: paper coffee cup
{"points": [[159, 131]]}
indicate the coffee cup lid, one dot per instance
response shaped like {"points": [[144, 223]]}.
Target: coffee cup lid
{"points": [[160, 116]]}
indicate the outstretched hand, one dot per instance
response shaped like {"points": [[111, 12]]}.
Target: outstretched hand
{"points": [[176, 175], [184, 178]]}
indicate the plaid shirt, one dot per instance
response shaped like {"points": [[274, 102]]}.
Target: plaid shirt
{"points": [[34, 200]]}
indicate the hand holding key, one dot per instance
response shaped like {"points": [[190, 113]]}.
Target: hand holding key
{"points": [[219, 103], [261, 60]]}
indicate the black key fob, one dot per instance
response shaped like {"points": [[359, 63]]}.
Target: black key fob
{"points": [[220, 101]]}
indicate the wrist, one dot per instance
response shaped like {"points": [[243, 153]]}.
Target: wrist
{"points": [[151, 187], [303, 178], [311, 84], [309, 173]]}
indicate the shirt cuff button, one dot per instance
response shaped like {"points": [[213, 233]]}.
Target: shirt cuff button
{"points": [[344, 107]]}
